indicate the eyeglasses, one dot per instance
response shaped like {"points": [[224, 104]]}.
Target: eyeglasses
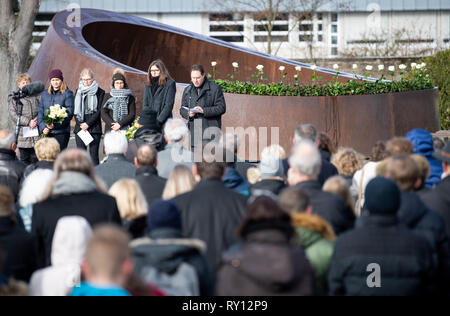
{"points": [[155, 70], [87, 80]]}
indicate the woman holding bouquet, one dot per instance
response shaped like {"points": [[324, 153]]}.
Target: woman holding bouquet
{"points": [[57, 94], [119, 106], [88, 104]]}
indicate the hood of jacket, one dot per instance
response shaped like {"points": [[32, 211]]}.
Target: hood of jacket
{"points": [[422, 141], [412, 209], [311, 228], [233, 180], [164, 249], [70, 241], [73, 183]]}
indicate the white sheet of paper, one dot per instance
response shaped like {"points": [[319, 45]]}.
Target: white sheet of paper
{"points": [[28, 132], [86, 137]]}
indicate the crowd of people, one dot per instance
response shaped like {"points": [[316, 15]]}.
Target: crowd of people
{"points": [[150, 220]]}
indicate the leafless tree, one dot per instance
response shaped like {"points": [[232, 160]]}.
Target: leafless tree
{"points": [[16, 29]]}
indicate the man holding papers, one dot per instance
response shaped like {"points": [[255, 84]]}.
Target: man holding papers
{"points": [[203, 105]]}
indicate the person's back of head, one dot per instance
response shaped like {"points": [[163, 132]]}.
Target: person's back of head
{"points": [[212, 166], [294, 200], [175, 130], [181, 180], [146, 156], [230, 142], [108, 257], [399, 145], [337, 185], [7, 140], [325, 143], [438, 143], [422, 141], [347, 161], [275, 150], [115, 143], [305, 161], [130, 199], [424, 168], [47, 149], [404, 171], [270, 166], [7, 203], [35, 186], [305, 132], [379, 152], [382, 197], [163, 214]]}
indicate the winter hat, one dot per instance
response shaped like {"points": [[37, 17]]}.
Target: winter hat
{"points": [[148, 118], [444, 154], [382, 196], [271, 166], [163, 214], [119, 74], [56, 73]]}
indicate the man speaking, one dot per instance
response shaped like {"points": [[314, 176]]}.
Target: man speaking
{"points": [[202, 105]]}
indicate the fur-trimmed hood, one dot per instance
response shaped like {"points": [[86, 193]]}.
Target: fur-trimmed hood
{"points": [[314, 223]]}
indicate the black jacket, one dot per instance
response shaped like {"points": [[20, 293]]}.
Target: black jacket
{"points": [[42, 164], [416, 216], [168, 256], [212, 213], [328, 206], [95, 207], [271, 185], [151, 184], [163, 100], [18, 248], [438, 200], [116, 167], [92, 120], [210, 99], [327, 170], [265, 264], [11, 171], [404, 259], [107, 115]]}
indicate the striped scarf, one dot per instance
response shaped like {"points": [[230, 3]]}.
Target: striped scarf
{"points": [[118, 103]]}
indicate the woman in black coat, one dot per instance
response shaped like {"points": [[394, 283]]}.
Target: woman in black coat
{"points": [[160, 91], [87, 109]]}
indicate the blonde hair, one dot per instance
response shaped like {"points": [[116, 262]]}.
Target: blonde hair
{"points": [[75, 160], [347, 161], [339, 186], [275, 150], [424, 166], [253, 175], [23, 76], [180, 181], [47, 149], [87, 71], [130, 199], [61, 90]]}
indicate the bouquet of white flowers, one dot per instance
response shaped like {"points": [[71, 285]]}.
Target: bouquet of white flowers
{"points": [[55, 115]]}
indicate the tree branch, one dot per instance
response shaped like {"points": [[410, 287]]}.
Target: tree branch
{"points": [[25, 24], [6, 15]]}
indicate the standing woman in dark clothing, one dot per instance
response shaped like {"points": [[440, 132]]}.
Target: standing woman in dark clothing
{"points": [[57, 93], [119, 106], [88, 105], [160, 91]]}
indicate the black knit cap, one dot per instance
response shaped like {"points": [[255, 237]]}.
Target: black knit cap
{"points": [[382, 197], [163, 214], [119, 76], [148, 119]]}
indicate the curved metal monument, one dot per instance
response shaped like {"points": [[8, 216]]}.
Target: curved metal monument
{"points": [[106, 40]]}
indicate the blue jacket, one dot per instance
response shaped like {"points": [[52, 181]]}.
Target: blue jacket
{"points": [[423, 145], [47, 100], [234, 181]]}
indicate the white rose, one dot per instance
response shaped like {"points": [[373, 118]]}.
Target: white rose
{"points": [[282, 68], [369, 68], [423, 65], [235, 65], [413, 65], [214, 64], [402, 67], [355, 66], [313, 67], [335, 66], [260, 67], [298, 68], [295, 76], [52, 116], [418, 66], [391, 68], [380, 67]]}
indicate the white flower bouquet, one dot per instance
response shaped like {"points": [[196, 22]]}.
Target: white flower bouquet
{"points": [[55, 115]]}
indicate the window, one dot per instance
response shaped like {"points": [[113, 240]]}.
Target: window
{"points": [[280, 28], [334, 38], [311, 28], [228, 27]]}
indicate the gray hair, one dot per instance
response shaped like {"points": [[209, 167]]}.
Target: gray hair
{"points": [[115, 143], [7, 141], [305, 132], [305, 158], [175, 130], [35, 186], [230, 142]]}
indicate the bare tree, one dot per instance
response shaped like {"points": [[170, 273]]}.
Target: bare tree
{"points": [[16, 29]]}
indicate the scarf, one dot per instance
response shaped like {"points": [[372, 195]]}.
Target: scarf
{"points": [[155, 85], [84, 94], [70, 182], [118, 103]]}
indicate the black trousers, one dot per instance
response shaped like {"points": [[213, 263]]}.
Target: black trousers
{"points": [[27, 155], [93, 147], [63, 140]]}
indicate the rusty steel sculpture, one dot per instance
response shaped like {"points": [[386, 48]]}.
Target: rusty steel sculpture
{"points": [[106, 40]]}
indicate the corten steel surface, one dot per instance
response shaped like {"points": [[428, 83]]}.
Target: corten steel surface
{"points": [[107, 40]]}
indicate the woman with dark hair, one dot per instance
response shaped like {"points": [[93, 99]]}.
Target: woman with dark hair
{"points": [[57, 93], [119, 106], [266, 263], [159, 92]]}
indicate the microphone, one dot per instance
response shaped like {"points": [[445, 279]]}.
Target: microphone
{"points": [[33, 89]]}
